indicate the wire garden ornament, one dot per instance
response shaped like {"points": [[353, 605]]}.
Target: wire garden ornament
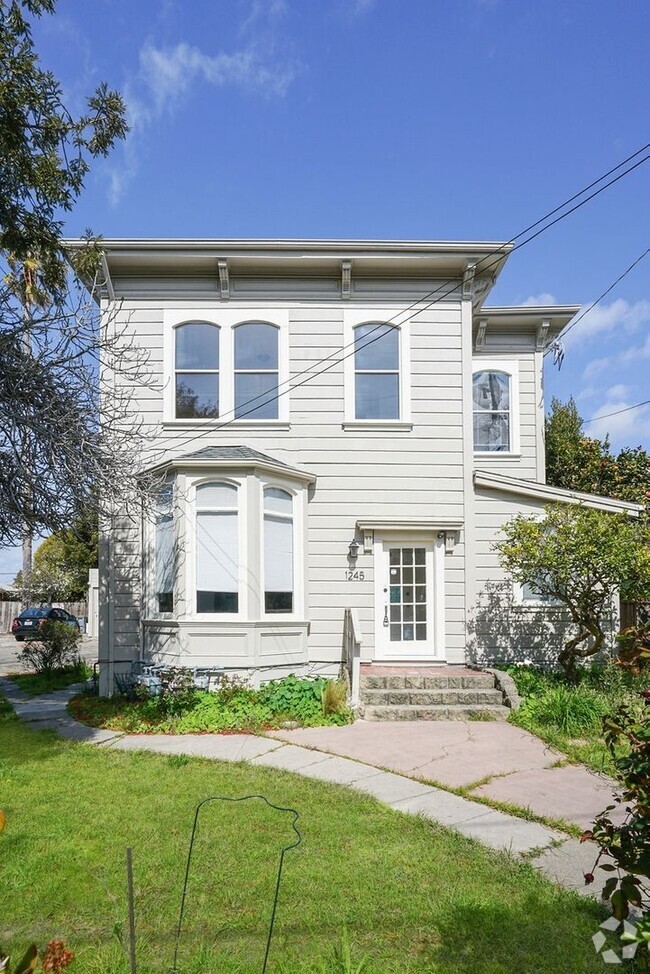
{"points": [[283, 850]]}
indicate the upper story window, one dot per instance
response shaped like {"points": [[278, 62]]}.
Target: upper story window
{"points": [[278, 550], [256, 371], [164, 549], [376, 371], [492, 404], [226, 364], [196, 370], [217, 548]]}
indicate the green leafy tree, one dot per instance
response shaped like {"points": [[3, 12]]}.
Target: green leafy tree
{"points": [[581, 558], [62, 562], [56, 459], [575, 461]]}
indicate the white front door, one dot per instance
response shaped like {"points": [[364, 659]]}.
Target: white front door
{"points": [[409, 599]]}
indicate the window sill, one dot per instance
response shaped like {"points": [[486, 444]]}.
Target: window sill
{"points": [[382, 425], [247, 424], [495, 455], [537, 606]]}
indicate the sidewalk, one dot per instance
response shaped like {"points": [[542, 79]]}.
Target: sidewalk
{"points": [[562, 859]]}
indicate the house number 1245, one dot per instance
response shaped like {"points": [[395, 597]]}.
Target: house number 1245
{"points": [[354, 575]]}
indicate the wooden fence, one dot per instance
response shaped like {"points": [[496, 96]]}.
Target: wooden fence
{"points": [[9, 611]]}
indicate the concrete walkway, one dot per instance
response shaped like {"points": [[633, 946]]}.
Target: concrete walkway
{"points": [[560, 858], [491, 759]]}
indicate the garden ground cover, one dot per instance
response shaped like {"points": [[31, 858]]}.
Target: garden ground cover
{"points": [[412, 897], [569, 716]]}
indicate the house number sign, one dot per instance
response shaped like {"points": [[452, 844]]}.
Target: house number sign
{"points": [[354, 575]]}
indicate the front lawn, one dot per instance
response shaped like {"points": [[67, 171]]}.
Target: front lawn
{"points": [[37, 683], [569, 716], [234, 707], [413, 897]]}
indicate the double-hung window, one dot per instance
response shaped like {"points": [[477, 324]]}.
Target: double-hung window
{"points": [[278, 550], [376, 371], [494, 403], [256, 371], [196, 380], [217, 548], [222, 364]]}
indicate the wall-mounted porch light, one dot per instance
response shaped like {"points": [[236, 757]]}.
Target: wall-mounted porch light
{"points": [[353, 549]]}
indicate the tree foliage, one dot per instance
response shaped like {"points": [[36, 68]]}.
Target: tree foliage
{"points": [[62, 562], [578, 462], [45, 152], [581, 558], [58, 360]]}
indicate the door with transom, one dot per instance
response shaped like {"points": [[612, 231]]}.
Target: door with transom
{"points": [[405, 600]]}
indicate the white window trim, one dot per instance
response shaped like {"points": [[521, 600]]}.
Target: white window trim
{"points": [[299, 555], [361, 316], [241, 484], [485, 363], [226, 319]]}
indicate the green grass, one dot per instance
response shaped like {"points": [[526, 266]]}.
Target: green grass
{"points": [[569, 717], [36, 683], [414, 898]]}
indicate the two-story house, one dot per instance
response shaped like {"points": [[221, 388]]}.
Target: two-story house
{"points": [[340, 428]]}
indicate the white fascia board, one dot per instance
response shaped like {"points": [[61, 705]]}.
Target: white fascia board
{"points": [[544, 492], [395, 524]]}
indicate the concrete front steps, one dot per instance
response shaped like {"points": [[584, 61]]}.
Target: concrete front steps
{"points": [[429, 693]]}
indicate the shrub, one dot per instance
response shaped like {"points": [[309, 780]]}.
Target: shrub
{"points": [[571, 710], [56, 647], [626, 845]]}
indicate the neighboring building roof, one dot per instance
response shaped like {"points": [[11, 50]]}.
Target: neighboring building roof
{"points": [[544, 321], [234, 457], [544, 492]]}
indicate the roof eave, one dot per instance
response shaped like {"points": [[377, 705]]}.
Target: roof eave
{"points": [[528, 488]]}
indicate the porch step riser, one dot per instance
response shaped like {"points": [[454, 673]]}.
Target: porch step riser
{"points": [[430, 698], [462, 712], [482, 681]]}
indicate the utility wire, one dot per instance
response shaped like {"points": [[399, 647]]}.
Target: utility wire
{"points": [[498, 254], [591, 307], [617, 412]]}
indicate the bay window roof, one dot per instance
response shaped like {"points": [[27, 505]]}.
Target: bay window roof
{"points": [[236, 457]]}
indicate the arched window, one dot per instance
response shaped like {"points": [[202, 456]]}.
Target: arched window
{"points": [[492, 412], [217, 548], [376, 371], [278, 550], [256, 371], [197, 370], [164, 549]]}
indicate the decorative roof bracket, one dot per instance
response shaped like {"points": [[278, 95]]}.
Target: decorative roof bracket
{"points": [[542, 332], [468, 282], [224, 279], [480, 334], [346, 279]]}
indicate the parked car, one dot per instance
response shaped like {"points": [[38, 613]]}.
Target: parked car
{"points": [[27, 624]]}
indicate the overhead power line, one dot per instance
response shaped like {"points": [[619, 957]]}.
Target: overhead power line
{"points": [[600, 297], [617, 412], [418, 305]]}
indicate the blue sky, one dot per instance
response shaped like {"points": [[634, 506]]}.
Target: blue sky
{"points": [[389, 118]]}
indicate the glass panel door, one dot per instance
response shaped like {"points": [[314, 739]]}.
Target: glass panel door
{"points": [[405, 601]]}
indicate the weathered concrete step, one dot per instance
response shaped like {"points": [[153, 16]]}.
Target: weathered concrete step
{"points": [[376, 681], [430, 698], [452, 712]]}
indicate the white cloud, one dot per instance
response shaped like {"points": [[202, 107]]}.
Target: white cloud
{"points": [[359, 7], [636, 352], [623, 429], [620, 316], [166, 77], [596, 366], [539, 300]]}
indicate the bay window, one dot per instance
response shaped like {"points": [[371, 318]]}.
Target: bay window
{"points": [[278, 550], [217, 548], [164, 568]]}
